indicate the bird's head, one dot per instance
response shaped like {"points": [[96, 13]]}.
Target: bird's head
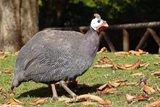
{"points": [[98, 24]]}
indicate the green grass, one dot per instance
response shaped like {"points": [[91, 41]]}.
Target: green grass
{"points": [[94, 77]]}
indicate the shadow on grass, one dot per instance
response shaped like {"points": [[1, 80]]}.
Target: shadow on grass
{"points": [[46, 92]]}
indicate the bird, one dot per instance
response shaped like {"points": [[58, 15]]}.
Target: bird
{"points": [[56, 56]]}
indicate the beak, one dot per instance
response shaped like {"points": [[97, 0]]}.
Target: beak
{"points": [[105, 24]]}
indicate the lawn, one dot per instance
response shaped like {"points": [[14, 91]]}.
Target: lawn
{"points": [[90, 82]]}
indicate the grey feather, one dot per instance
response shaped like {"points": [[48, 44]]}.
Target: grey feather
{"points": [[52, 55]]}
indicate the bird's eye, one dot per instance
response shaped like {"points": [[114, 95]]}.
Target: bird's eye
{"points": [[99, 21]]}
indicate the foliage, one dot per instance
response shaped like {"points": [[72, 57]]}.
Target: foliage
{"points": [[80, 12]]}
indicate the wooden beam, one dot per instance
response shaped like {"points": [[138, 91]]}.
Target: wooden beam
{"points": [[155, 36], [111, 46], [125, 40], [135, 25], [142, 40]]}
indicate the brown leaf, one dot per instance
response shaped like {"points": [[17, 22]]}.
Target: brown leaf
{"points": [[96, 98], [87, 103], [90, 97], [129, 83], [102, 87], [114, 83], [135, 65], [9, 105], [142, 97], [103, 66], [144, 65], [130, 98], [128, 66], [16, 53], [121, 53], [14, 101], [109, 91], [8, 71], [1, 53], [154, 104], [137, 53], [38, 101], [137, 74], [148, 89], [156, 73], [104, 49], [104, 60], [118, 83], [158, 89], [157, 63], [3, 56]]}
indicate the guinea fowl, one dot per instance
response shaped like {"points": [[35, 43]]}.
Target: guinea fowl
{"points": [[53, 56]]}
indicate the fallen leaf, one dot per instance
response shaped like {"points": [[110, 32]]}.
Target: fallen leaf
{"points": [[8, 71], [148, 89], [142, 97], [128, 66], [103, 65], [9, 105], [137, 74], [129, 84], [154, 104], [110, 86], [130, 98], [121, 53], [38, 101], [88, 103], [135, 65], [114, 83], [104, 49], [109, 90], [156, 73], [144, 65], [16, 53], [157, 63], [14, 101], [7, 53], [137, 53], [158, 89], [1, 53], [90, 97], [104, 60], [102, 87], [3, 56]]}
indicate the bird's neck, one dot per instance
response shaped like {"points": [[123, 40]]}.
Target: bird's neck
{"points": [[91, 41]]}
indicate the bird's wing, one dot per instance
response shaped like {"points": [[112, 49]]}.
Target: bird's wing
{"points": [[48, 63]]}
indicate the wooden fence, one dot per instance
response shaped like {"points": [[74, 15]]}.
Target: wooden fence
{"points": [[148, 26]]}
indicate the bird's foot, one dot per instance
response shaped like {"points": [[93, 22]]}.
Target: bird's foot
{"points": [[74, 97], [54, 98]]}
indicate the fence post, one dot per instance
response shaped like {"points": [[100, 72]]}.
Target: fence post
{"points": [[125, 40]]}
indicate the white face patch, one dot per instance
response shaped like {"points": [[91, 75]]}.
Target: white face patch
{"points": [[96, 23]]}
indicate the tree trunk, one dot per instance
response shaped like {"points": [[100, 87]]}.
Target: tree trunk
{"points": [[15, 27], [29, 19]]}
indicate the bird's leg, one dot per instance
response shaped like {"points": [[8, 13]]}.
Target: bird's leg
{"points": [[54, 92], [63, 84]]}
